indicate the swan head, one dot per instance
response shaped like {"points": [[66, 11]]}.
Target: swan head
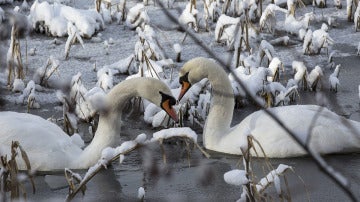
{"points": [[192, 72], [159, 94], [167, 101]]}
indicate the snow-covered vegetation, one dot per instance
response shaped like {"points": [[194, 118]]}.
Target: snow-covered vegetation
{"points": [[53, 18]]}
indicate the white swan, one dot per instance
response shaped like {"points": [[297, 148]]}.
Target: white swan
{"points": [[330, 133], [49, 148]]}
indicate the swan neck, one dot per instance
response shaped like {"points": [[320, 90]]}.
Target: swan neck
{"points": [[221, 109], [109, 126]]}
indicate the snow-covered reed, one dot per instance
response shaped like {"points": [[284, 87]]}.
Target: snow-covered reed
{"points": [[301, 73], [212, 10], [105, 79], [224, 22], [274, 66], [321, 39], [254, 82], [293, 25], [43, 74], [314, 76], [188, 17], [334, 79], [147, 45], [268, 19], [123, 66], [53, 19], [357, 18], [29, 96], [137, 16], [73, 35]]}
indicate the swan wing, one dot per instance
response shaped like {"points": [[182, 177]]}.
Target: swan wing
{"points": [[325, 131], [43, 141]]}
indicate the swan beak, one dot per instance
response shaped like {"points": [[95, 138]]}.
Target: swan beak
{"points": [[169, 110], [185, 86]]}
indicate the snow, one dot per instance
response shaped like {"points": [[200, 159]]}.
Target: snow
{"points": [[271, 178], [268, 18], [253, 82], [224, 21], [274, 66], [150, 112], [301, 71], [105, 79], [334, 78], [307, 42], [56, 17], [2, 14], [122, 66], [277, 184], [314, 76], [107, 154], [321, 39], [141, 139], [159, 119], [137, 16], [18, 85], [177, 48], [236, 177], [141, 193], [357, 18], [293, 25], [76, 139], [96, 98], [175, 132], [187, 17]]}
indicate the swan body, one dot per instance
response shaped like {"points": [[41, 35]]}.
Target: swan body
{"points": [[49, 148], [325, 131]]}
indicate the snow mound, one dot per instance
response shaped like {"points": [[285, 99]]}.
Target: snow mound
{"points": [[53, 19]]}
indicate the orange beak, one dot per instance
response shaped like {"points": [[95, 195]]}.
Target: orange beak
{"points": [[169, 110], [184, 88]]}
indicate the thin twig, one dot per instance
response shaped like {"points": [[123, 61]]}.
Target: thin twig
{"points": [[97, 170]]}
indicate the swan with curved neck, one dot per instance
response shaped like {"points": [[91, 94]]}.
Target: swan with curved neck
{"points": [[49, 148], [327, 132]]}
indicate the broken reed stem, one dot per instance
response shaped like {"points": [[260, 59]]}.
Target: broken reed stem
{"points": [[206, 20], [51, 73], [162, 151], [247, 159], [98, 169], [14, 184], [26, 56], [150, 67], [182, 42], [44, 73], [98, 5], [188, 151]]}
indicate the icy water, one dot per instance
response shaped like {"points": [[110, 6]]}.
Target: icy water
{"points": [[200, 179]]}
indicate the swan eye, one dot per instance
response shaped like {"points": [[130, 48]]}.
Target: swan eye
{"points": [[166, 104], [167, 98], [184, 79]]}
